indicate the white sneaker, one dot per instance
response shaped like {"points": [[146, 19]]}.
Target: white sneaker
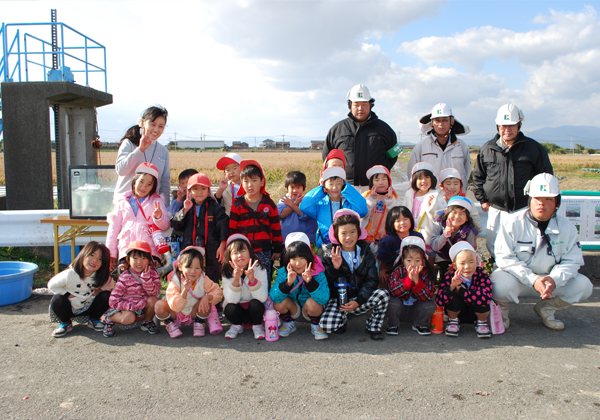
{"points": [[318, 332], [233, 331], [259, 332], [287, 328]]}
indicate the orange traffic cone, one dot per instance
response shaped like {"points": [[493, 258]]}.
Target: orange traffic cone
{"points": [[437, 321]]}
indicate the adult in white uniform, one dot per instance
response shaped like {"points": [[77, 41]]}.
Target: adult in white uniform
{"points": [[140, 144], [440, 146], [538, 254]]}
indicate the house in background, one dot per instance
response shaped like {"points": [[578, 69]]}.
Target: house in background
{"points": [[317, 144], [239, 145]]}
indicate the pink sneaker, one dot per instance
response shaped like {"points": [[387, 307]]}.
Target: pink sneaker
{"points": [[173, 329], [198, 329]]}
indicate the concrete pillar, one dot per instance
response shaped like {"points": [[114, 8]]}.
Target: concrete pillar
{"points": [[76, 131], [26, 128]]}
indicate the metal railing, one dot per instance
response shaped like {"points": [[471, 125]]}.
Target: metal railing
{"points": [[74, 49]]}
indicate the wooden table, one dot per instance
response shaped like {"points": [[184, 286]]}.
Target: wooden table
{"points": [[77, 228]]}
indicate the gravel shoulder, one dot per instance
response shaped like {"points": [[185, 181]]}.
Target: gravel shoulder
{"points": [[529, 371]]}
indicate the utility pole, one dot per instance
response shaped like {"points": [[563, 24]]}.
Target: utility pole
{"points": [[283, 142], [175, 141], [204, 140], [572, 148]]}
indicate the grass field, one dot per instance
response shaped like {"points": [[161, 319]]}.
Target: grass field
{"points": [[277, 164], [568, 168]]}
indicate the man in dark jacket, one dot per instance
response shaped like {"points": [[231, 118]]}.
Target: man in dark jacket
{"points": [[503, 167], [365, 139]]}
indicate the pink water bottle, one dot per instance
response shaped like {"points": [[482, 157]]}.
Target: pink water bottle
{"points": [[271, 319]]}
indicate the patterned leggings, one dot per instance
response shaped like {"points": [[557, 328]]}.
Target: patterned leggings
{"points": [[333, 318]]}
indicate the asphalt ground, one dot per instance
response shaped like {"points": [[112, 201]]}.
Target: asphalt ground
{"points": [[528, 372]]}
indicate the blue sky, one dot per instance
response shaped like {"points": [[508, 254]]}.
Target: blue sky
{"points": [[266, 68]]}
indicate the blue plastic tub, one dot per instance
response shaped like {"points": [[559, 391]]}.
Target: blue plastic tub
{"points": [[16, 281]]}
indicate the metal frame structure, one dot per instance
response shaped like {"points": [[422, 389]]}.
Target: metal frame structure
{"points": [[65, 53]]}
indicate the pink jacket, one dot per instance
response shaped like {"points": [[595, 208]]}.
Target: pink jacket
{"points": [[131, 295], [124, 227]]}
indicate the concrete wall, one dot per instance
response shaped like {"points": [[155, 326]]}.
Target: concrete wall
{"points": [[27, 152]]}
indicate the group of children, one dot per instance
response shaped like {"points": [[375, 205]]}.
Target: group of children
{"points": [[341, 253]]}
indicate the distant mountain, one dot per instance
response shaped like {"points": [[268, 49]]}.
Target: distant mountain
{"points": [[587, 136]]}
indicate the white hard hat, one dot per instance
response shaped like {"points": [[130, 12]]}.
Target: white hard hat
{"points": [[296, 237], [441, 110], [334, 171], [509, 114], [422, 166], [410, 240], [542, 185], [359, 93], [413, 240], [461, 246]]}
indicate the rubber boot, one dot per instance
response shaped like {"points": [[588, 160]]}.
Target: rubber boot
{"points": [[505, 319], [214, 325], [545, 309]]}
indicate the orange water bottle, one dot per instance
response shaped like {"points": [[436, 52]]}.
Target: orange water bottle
{"points": [[437, 321]]}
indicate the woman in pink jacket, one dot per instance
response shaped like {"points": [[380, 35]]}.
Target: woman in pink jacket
{"points": [[135, 293], [133, 213]]}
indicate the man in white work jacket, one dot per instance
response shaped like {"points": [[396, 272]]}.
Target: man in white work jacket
{"points": [[440, 146], [538, 254]]}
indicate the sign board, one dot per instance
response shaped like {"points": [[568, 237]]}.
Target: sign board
{"points": [[582, 208]]}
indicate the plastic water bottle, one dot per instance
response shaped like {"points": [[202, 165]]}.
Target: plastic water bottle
{"points": [[343, 291], [437, 321], [271, 319], [159, 240]]}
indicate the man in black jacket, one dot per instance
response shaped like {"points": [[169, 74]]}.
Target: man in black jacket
{"points": [[503, 167], [365, 139]]}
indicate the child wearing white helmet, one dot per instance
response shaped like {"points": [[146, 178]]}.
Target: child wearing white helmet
{"points": [[465, 292], [456, 225], [412, 287], [300, 287], [452, 185], [323, 201]]}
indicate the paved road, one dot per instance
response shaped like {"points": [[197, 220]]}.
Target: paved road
{"points": [[529, 372]]}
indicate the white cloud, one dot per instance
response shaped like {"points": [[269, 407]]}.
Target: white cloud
{"points": [[284, 67], [565, 33]]}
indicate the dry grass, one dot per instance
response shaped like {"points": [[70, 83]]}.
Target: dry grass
{"points": [[275, 164], [278, 164], [568, 169]]}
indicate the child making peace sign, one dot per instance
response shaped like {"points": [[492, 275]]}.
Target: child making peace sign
{"points": [[244, 287], [300, 286]]}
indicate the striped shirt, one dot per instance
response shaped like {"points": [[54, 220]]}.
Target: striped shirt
{"points": [[261, 226]]}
